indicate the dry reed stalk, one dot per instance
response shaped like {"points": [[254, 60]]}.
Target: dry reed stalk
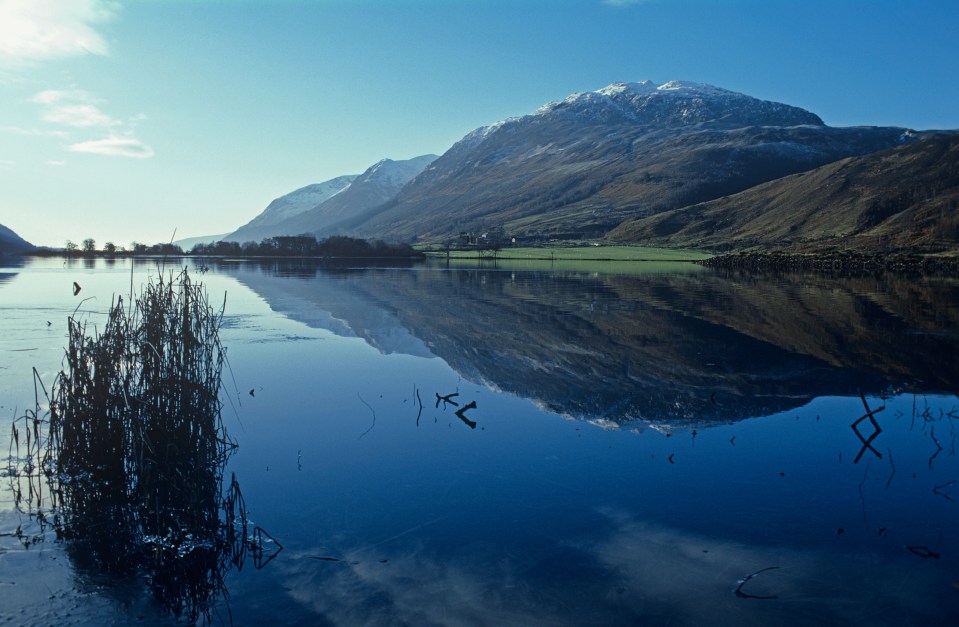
{"points": [[133, 449]]}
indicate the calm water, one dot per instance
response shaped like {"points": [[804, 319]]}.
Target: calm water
{"points": [[642, 445]]}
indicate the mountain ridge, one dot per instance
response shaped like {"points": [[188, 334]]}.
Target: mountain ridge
{"points": [[11, 243], [376, 185], [902, 198], [587, 165], [288, 206], [580, 166]]}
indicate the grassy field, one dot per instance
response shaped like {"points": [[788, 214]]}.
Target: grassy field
{"points": [[580, 253]]}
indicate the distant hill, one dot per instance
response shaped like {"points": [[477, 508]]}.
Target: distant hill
{"points": [[377, 185], [288, 206], [189, 242], [902, 199], [581, 166], [11, 243]]}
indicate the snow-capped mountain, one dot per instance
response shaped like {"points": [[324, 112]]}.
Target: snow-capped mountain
{"points": [[679, 103], [288, 206], [377, 185], [579, 166]]}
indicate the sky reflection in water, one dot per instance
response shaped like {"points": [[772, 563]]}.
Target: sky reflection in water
{"points": [[643, 443]]}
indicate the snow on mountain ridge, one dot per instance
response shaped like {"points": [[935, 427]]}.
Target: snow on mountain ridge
{"points": [[674, 104], [395, 174], [289, 206], [302, 199]]}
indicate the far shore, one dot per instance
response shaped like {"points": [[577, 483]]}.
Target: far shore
{"points": [[835, 262]]}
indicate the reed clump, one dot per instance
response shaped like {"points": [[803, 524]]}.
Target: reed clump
{"points": [[127, 462]]}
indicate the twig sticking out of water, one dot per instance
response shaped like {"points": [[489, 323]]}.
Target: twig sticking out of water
{"points": [[742, 582], [447, 400], [939, 489], [420, 402], [923, 551], [867, 442], [260, 556], [461, 414], [371, 411], [932, 434], [893, 464]]}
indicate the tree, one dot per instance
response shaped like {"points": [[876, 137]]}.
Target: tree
{"points": [[70, 247], [89, 245], [110, 248]]}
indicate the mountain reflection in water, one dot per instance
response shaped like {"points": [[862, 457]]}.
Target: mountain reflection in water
{"points": [[674, 348], [392, 508]]}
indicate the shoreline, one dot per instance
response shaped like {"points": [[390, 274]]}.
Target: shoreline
{"points": [[837, 262]]}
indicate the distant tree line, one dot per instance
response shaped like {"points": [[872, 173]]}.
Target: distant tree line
{"points": [[281, 246], [88, 248], [308, 246]]}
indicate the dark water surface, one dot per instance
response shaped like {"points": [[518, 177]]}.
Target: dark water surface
{"points": [[640, 445]]}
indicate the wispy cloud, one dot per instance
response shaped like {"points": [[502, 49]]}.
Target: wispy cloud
{"points": [[72, 108], [80, 116], [32, 132], [81, 110], [633, 570], [37, 30], [114, 147], [53, 96]]}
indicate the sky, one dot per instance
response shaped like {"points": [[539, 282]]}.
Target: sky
{"points": [[152, 120]]}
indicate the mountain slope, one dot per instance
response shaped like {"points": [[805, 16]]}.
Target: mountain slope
{"points": [[11, 243], [288, 206], [378, 184], [581, 166], [905, 199], [189, 242]]}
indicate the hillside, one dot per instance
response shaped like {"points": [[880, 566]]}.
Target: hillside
{"points": [[902, 199], [288, 206], [581, 166], [11, 243], [377, 185]]}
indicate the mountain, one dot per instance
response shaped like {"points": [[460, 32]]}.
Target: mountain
{"points": [[11, 243], [288, 206], [189, 242], [580, 166], [901, 199], [379, 184]]}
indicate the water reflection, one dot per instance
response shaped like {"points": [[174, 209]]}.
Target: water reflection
{"points": [[182, 548], [393, 510], [870, 415], [660, 348]]}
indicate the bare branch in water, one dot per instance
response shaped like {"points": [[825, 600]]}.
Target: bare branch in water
{"points": [[371, 411], [742, 582]]}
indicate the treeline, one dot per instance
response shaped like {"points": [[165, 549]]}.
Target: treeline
{"points": [[89, 249], [308, 246]]}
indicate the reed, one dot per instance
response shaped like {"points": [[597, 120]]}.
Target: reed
{"points": [[127, 462]]}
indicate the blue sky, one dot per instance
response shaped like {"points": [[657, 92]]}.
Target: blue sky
{"points": [[123, 121]]}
